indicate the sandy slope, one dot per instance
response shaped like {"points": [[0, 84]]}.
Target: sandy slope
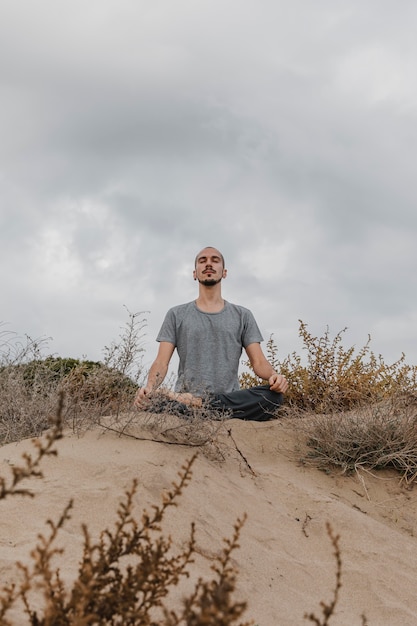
{"points": [[285, 560]]}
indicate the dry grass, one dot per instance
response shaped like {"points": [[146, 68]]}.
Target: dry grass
{"points": [[333, 378], [127, 574], [31, 384], [375, 437], [328, 609], [354, 408], [108, 589], [355, 411], [30, 467]]}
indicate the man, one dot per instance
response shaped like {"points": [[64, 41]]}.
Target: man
{"points": [[209, 334]]}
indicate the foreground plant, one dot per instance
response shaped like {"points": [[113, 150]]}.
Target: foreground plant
{"points": [[127, 575], [124, 577], [328, 609]]}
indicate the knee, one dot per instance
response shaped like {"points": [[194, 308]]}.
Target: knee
{"points": [[273, 397]]}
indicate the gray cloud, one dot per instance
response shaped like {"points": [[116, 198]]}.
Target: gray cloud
{"points": [[133, 134]]}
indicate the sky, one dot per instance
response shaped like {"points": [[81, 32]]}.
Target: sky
{"points": [[133, 133]]}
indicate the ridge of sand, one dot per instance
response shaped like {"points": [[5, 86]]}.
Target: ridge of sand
{"points": [[285, 561]]}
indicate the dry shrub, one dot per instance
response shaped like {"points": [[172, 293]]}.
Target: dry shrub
{"points": [[28, 393], [336, 378], [93, 392], [328, 609], [356, 409], [22, 413], [383, 435], [165, 421], [124, 577], [161, 402], [30, 468], [30, 384]]}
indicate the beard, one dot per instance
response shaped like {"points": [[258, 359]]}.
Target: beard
{"points": [[209, 282]]}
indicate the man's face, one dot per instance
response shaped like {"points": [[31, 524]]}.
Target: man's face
{"points": [[209, 268]]}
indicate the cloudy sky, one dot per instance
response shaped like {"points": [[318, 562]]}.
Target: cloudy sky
{"points": [[135, 132]]}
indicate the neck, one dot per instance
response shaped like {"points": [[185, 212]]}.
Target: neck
{"points": [[210, 298]]}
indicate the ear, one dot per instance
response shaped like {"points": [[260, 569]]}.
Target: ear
{"points": [[224, 274], [194, 275]]}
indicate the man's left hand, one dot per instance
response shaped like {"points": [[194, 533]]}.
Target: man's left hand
{"points": [[278, 383]]}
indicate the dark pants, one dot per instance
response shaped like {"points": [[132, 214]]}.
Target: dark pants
{"points": [[257, 403]]}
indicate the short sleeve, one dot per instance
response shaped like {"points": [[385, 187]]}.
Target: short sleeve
{"points": [[251, 332], [168, 331]]}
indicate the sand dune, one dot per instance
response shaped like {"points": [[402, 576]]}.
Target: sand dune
{"points": [[286, 563]]}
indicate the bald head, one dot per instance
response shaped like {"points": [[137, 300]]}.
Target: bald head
{"points": [[207, 253]]}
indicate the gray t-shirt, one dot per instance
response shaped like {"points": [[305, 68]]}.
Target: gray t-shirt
{"points": [[209, 345]]}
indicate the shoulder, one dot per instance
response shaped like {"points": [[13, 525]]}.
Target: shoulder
{"points": [[180, 310], [241, 310]]}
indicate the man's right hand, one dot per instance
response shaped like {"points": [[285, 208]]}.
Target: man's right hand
{"points": [[142, 397]]}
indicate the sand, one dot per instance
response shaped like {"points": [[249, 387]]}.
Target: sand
{"points": [[285, 560]]}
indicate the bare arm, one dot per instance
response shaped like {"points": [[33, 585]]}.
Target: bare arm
{"points": [[264, 369], [157, 372]]}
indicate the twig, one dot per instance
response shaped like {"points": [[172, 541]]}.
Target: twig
{"points": [[229, 432], [169, 443], [362, 480], [307, 519]]}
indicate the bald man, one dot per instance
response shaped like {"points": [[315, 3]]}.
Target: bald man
{"points": [[209, 335]]}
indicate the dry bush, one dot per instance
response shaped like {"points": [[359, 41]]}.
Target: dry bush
{"points": [[28, 395], [30, 384], [165, 420], [328, 609], [126, 576], [22, 413], [31, 464], [336, 378], [161, 402], [374, 437], [356, 409], [93, 392], [124, 355], [29, 392], [15, 350]]}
